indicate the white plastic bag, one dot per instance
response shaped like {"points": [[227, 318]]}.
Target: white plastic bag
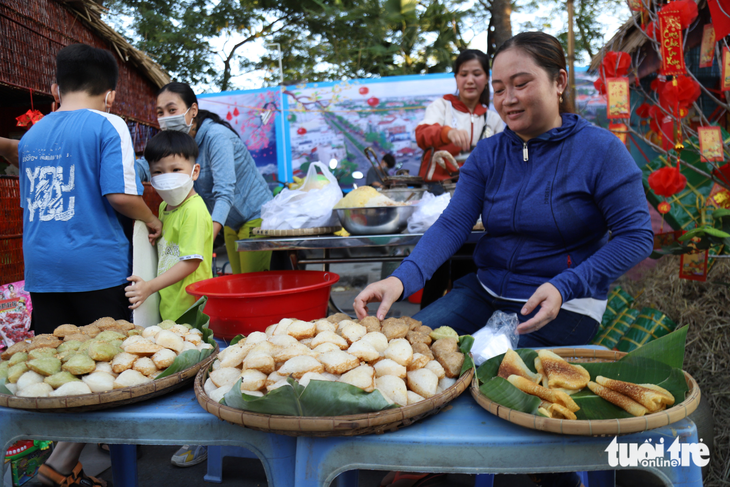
{"points": [[294, 209], [496, 337], [427, 212]]}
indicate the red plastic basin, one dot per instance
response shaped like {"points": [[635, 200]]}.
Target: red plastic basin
{"points": [[244, 303]]}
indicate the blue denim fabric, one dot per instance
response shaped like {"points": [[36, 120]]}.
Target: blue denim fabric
{"points": [[468, 306]]}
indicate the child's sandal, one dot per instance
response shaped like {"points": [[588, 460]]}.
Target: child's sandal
{"points": [[77, 477]]}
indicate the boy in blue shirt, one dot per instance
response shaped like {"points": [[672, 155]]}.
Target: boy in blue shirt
{"points": [[185, 249], [77, 184]]}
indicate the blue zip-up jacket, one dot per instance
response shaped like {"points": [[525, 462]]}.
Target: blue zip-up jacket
{"points": [[547, 206], [230, 184]]}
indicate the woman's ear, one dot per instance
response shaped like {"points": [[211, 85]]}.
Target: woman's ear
{"points": [[194, 110], [562, 81]]}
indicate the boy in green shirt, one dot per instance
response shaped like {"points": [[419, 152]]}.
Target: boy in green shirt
{"points": [[185, 249]]}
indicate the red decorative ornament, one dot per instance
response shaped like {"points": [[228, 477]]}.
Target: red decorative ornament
{"points": [[229, 116], [723, 173], [364, 90], [650, 29], [29, 118], [314, 149], [373, 102], [687, 11], [644, 110], [301, 131], [614, 65], [667, 181], [236, 112], [677, 99], [663, 207]]}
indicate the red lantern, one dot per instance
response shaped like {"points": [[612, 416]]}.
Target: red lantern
{"points": [[664, 207], [667, 181], [614, 65], [229, 116], [236, 112], [364, 90], [650, 29], [28, 118], [301, 131], [676, 99], [373, 102], [644, 110]]}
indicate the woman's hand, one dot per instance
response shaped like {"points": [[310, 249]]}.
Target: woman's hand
{"points": [[138, 291], [460, 138], [549, 299], [386, 291]]}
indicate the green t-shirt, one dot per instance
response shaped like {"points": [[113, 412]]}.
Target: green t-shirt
{"points": [[187, 233]]}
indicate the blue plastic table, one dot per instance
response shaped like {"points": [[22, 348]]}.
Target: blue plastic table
{"points": [[174, 419], [464, 438]]}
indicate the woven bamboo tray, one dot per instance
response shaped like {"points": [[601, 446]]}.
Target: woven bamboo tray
{"points": [[299, 232], [352, 425], [110, 399], [598, 427]]}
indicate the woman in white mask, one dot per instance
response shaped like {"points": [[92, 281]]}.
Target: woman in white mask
{"points": [[229, 182]]}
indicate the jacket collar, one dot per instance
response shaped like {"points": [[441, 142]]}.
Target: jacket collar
{"points": [[459, 105], [572, 123], [202, 130]]}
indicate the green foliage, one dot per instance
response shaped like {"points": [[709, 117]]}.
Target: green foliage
{"points": [[658, 362], [320, 39], [197, 319], [587, 28], [319, 398]]}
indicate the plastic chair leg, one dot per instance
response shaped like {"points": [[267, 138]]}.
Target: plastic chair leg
{"points": [[124, 465], [214, 464], [484, 480], [347, 479]]}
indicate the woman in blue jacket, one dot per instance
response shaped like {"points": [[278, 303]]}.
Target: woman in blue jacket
{"points": [[549, 189], [229, 182]]}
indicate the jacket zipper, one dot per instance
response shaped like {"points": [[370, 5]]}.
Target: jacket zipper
{"points": [[518, 247], [525, 155], [570, 262]]}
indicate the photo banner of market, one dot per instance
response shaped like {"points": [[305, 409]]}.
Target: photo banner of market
{"points": [[335, 121]]}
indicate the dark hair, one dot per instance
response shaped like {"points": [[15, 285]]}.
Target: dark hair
{"points": [[188, 97], [469, 55], [547, 53], [84, 68], [170, 143], [389, 160]]}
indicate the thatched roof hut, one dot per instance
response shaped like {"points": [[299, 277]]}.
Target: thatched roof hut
{"points": [[631, 38], [33, 31]]}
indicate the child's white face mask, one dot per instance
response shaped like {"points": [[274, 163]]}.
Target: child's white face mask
{"points": [[173, 187]]}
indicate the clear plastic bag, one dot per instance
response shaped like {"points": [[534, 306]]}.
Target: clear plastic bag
{"points": [[496, 337], [427, 212], [308, 207]]}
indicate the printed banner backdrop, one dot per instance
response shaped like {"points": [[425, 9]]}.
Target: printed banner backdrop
{"points": [[255, 116], [336, 120]]}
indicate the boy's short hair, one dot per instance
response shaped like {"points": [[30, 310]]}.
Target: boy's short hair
{"points": [[170, 143], [80, 67], [389, 160]]}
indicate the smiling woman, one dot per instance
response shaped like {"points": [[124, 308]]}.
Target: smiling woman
{"points": [[548, 189]]}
